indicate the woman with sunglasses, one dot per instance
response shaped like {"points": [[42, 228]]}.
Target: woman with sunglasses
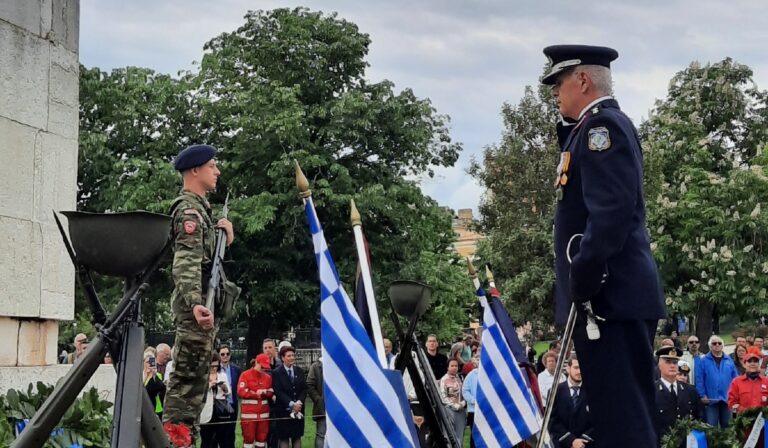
{"points": [[218, 389]]}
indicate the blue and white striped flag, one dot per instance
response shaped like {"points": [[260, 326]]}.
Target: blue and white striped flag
{"points": [[361, 405], [505, 413]]}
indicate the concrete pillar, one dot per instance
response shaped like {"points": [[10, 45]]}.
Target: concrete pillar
{"points": [[38, 145]]}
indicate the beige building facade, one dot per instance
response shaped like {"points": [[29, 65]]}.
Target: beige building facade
{"points": [[466, 239]]}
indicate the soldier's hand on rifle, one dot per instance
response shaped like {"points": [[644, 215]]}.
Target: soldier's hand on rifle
{"points": [[203, 316], [225, 224]]}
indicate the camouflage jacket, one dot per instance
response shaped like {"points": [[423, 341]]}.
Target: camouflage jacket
{"points": [[194, 239]]}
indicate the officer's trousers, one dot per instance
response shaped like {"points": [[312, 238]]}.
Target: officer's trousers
{"points": [[617, 376]]}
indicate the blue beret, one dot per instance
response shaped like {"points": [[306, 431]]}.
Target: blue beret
{"points": [[563, 57], [193, 156]]}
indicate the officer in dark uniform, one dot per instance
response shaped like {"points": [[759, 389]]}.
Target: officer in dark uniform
{"points": [[601, 211], [571, 424], [674, 399]]}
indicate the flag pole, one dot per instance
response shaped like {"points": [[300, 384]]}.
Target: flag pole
{"points": [[473, 274], [489, 276], [365, 270], [301, 182]]}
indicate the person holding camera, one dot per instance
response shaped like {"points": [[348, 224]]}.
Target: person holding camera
{"points": [[153, 382], [216, 408]]}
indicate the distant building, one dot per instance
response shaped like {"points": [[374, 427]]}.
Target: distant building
{"points": [[466, 239]]}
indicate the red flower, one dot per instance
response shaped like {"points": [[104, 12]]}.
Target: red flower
{"points": [[178, 433]]}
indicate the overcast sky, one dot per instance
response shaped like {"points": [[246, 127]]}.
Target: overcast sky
{"points": [[468, 57]]}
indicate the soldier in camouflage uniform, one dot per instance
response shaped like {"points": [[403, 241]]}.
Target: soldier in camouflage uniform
{"points": [[194, 236]]}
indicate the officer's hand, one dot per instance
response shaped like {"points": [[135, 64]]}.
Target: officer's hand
{"points": [[579, 443], [203, 316], [225, 224]]}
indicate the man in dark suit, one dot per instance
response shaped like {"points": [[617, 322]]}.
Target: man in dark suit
{"points": [[226, 436], [674, 399], [571, 425], [290, 385], [601, 216]]}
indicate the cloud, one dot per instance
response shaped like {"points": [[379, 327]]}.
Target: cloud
{"points": [[467, 57]]}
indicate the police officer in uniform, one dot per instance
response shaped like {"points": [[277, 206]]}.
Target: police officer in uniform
{"points": [[674, 399], [193, 233], [600, 196]]}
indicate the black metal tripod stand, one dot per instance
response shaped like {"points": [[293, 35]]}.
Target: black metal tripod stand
{"points": [[130, 245], [410, 299]]}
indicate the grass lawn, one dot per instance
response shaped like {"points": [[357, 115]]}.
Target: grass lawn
{"points": [[308, 441]]}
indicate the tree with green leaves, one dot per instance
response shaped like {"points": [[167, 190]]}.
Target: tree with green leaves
{"points": [[518, 208], [707, 184], [288, 84], [132, 123]]}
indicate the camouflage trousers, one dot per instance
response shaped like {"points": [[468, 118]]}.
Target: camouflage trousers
{"points": [[188, 382]]}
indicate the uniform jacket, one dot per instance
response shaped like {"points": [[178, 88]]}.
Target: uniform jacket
{"points": [[688, 403], [194, 243], [315, 389], [568, 422], [287, 391], [712, 381], [748, 393], [602, 197], [255, 390]]}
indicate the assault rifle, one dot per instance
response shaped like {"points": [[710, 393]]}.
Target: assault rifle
{"points": [[214, 284]]}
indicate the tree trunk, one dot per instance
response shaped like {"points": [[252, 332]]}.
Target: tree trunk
{"points": [[704, 323], [258, 329]]}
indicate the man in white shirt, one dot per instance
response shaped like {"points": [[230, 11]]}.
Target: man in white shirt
{"points": [[692, 356]]}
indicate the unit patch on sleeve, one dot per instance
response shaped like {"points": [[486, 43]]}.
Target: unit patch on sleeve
{"points": [[190, 227], [599, 139]]}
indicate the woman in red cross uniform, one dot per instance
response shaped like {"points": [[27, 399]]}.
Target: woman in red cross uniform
{"points": [[255, 390]]}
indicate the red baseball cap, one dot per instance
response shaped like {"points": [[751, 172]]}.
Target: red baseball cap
{"points": [[263, 360], [752, 352]]}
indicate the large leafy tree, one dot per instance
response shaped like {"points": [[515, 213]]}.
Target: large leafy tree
{"points": [[518, 206], [706, 186], [288, 84], [132, 122]]}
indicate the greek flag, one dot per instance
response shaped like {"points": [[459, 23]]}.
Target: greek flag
{"points": [[361, 405], [505, 413]]}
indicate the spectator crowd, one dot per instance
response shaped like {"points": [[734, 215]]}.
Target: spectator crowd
{"points": [[269, 396], [709, 387]]}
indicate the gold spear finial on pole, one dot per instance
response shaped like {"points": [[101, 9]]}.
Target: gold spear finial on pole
{"points": [[301, 181], [354, 215], [488, 274], [471, 269]]}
